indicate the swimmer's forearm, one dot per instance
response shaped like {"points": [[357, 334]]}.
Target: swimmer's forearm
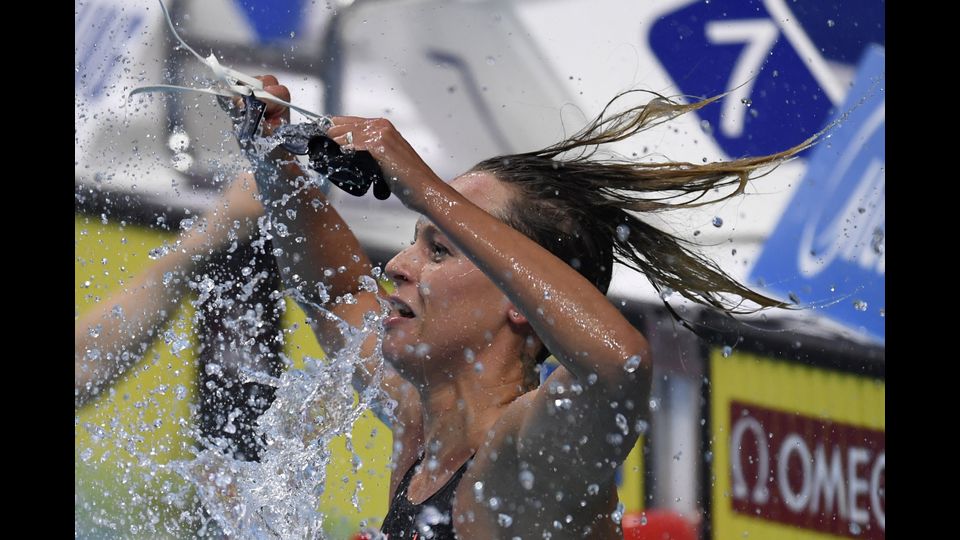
{"points": [[327, 251]]}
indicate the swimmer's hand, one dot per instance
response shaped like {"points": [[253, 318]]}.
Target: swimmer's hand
{"points": [[404, 170]]}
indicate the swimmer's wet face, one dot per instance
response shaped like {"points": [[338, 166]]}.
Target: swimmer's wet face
{"points": [[443, 304]]}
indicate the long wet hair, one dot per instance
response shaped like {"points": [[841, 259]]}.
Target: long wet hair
{"points": [[584, 209]]}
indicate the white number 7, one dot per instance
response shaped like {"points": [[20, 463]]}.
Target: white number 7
{"points": [[759, 35]]}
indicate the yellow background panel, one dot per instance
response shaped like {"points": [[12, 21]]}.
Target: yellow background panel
{"points": [[142, 421], [788, 386]]}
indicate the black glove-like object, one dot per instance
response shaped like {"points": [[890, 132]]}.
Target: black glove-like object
{"points": [[353, 172]]}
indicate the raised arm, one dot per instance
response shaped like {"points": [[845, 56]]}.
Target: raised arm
{"points": [[318, 250], [115, 333], [601, 353], [586, 333]]}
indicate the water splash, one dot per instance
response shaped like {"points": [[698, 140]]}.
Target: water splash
{"points": [[279, 496]]}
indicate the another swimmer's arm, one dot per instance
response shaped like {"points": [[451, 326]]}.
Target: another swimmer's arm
{"points": [[115, 333]]}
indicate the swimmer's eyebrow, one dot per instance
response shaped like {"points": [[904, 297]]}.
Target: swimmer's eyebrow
{"points": [[416, 229], [422, 224]]}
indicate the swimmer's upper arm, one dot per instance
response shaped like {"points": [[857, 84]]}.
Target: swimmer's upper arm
{"points": [[574, 425]]}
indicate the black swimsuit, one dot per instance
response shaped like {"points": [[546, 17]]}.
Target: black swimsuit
{"points": [[401, 520]]}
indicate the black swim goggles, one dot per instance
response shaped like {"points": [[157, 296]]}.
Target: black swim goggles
{"points": [[353, 172]]}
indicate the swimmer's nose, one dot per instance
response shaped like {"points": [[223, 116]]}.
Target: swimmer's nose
{"points": [[398, 268]]}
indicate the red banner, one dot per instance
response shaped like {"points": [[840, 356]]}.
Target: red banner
{"points": [[807, 472]]}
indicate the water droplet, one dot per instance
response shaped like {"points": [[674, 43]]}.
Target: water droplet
{"points": [[717, 221], [623, 232], [491, 60], [592, 378], [859, 305], [179, 345], [186, 224], [632, 363], [469, 355], [494, 503], [428, 518], [526, 479], [179, 141], [180, 391], [877, 241], [94, 331], [504, 520], [883, 312], [593, 489], [855, 528], [830, 23], [291, 214], [213, 368], [432, 464], [621, 421], [617, 514], [86, 454], [727, 351], [478, 490], [167, 278], [746, 101]]}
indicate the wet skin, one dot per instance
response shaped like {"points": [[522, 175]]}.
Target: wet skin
{"points": [[470, 282]]}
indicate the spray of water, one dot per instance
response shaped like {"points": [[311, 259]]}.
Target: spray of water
{"points": [[278, 497]]}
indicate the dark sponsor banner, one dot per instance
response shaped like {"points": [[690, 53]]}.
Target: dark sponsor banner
{"points": [[807, 472]]}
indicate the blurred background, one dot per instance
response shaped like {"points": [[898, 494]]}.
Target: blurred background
{"points": [[771, 426]]}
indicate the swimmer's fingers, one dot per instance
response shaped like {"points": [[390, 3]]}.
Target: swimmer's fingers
{"points": [[275, 114]]}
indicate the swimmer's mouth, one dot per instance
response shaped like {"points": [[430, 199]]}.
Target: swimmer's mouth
{"points": [[402, 309]]}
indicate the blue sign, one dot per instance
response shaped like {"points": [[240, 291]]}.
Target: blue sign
{"points": [[103, 32], [777, 60], [274, 20], [828, 249]]}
